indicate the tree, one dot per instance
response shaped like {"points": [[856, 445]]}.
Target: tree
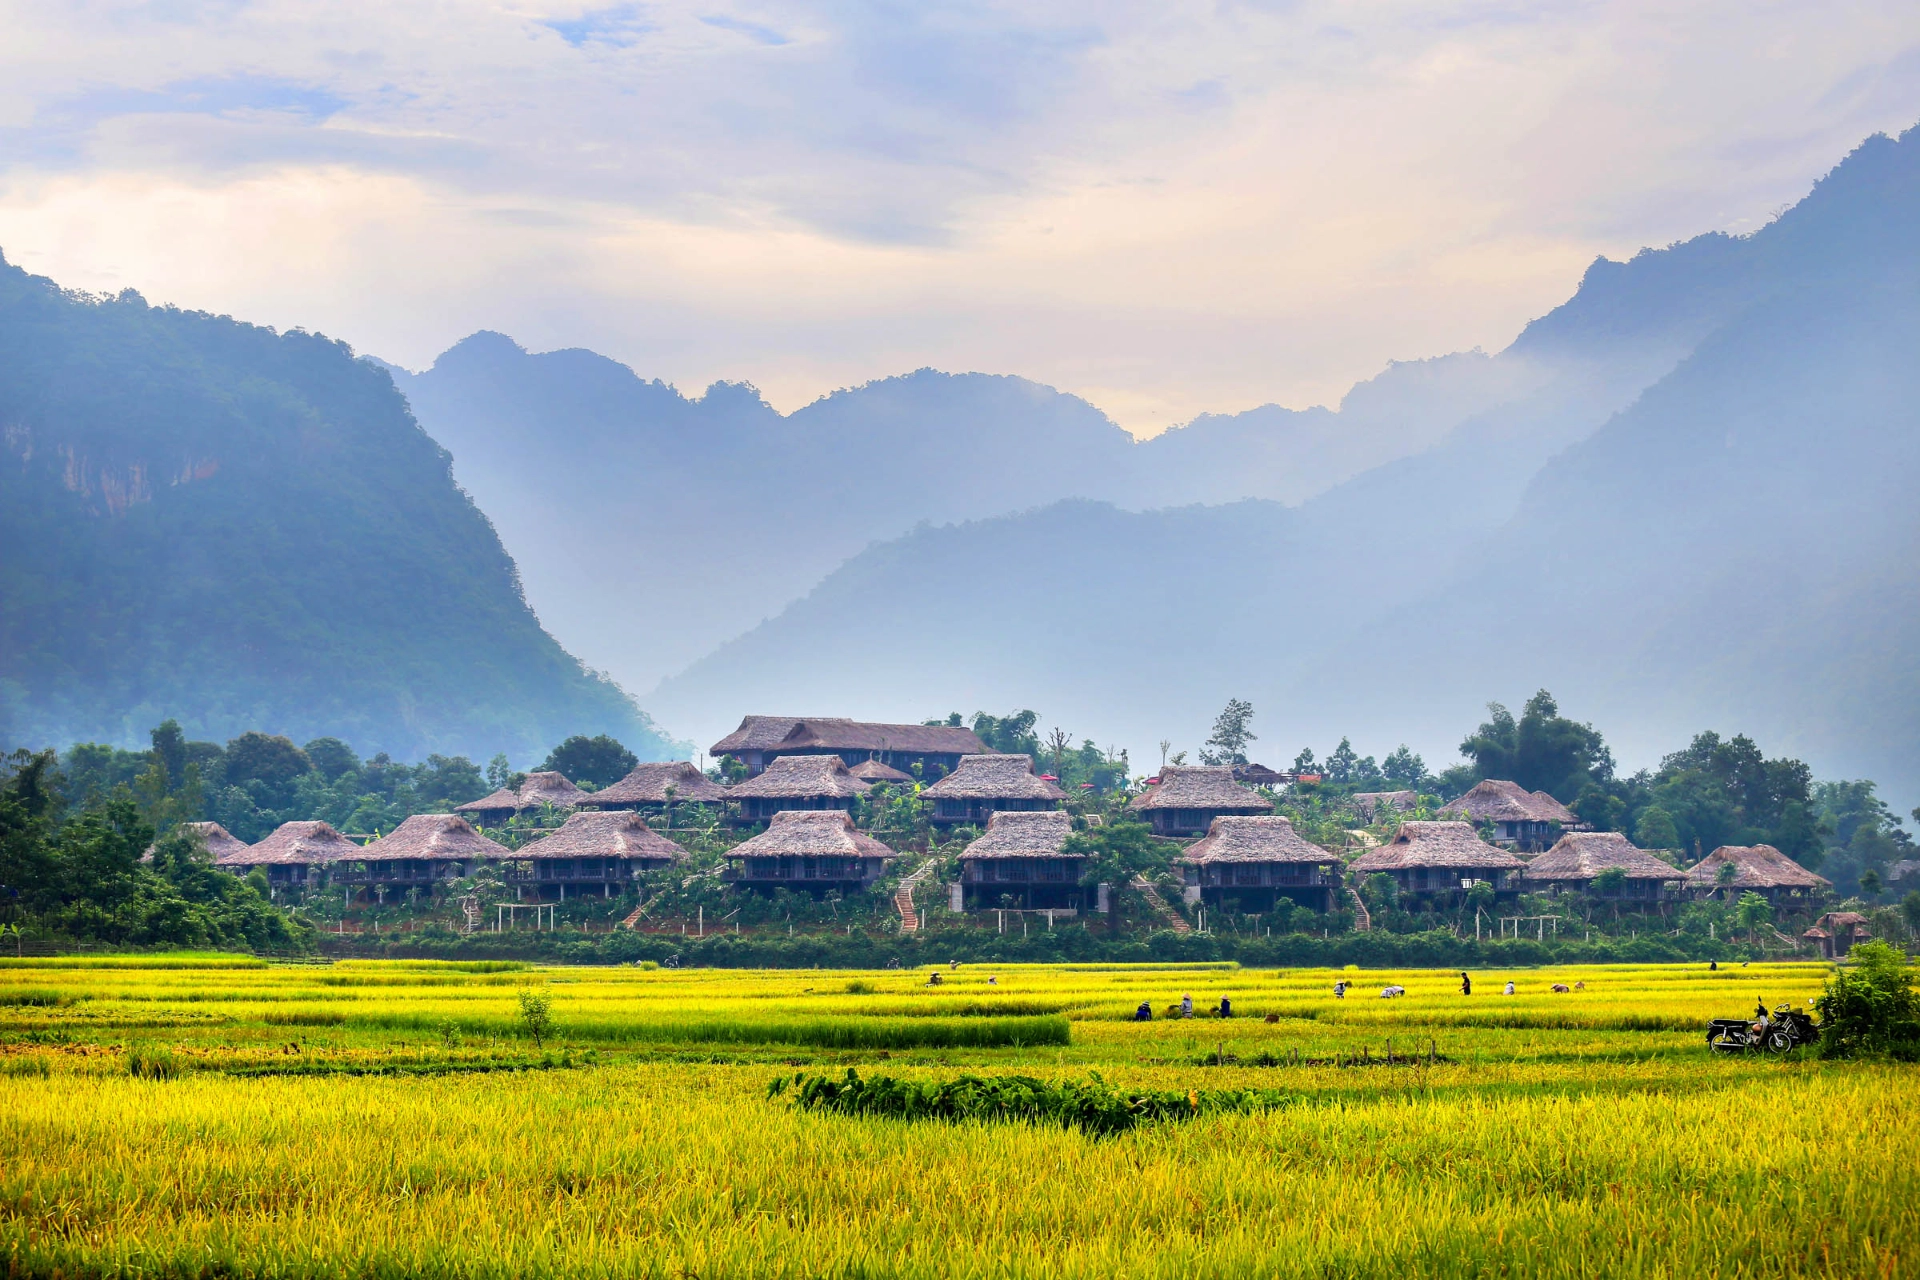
{"points": [[1610, 882], [332, 757], [1910, 910], [1232, 731], [1542, 751], [1655, 830], [1115, 854], [1059, 742], [599, 761], [1012, 734], [265, 766], [1870, 884], [536, 1014], [1404, 769], [1340, 764], [1868, 1007], [1304, 762], [1752, 911]]}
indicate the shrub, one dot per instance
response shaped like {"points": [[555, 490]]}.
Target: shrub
{"points": [[536, 1014], [1869, 1007], [145, 1062]]}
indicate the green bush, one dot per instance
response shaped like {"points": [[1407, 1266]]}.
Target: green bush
{"points": [[144, 1062], [1868, 1008]]}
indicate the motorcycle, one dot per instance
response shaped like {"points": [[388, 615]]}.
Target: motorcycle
{"points": [[1784, 1029]]}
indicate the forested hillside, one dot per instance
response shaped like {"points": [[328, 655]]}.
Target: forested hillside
{"points": [[246, 529]]}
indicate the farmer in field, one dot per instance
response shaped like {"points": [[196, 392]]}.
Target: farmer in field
{"points": [[1145, 1012], [1226, 1007], [1509, 990], [1186, 1006], [1340, 990], [1466, 984]]}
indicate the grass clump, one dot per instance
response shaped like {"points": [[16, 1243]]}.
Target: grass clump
{"points": [[148, 1062], [28, 998], [1092, 1105]]}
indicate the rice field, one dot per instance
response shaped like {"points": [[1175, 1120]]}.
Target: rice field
{"points": [[396, 1118]]}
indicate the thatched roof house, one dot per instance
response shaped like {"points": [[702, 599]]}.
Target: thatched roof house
{"points": [[426, 848], [1579, 857], [1371, 804], [1020, 856], [1527, 820], [1255, 860], [218, 841], [809, 849], [987, 784], [1760, 868], [797, 782], [603, 849], [539, 789], [874, 772], [1439, 857], [936, 748], [291, 852], [1838, 932], [1189, 797], [646, 787]]}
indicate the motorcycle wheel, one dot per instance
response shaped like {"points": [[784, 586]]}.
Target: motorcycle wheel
{"points": [[1726, 1042], [1780, 1040]]}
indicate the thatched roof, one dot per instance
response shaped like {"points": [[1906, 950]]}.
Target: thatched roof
{"points": [[1372, 802], [648, 784], [1200, 786], [603, 835], [814, 833], [1498, 801], [875, 772], [994, 777], [1582, 855], [1436, 844], [794, 777], [1259, 775], [833, 733], [1759, 866], [1023, 835], [298, 844], [1257, 839], [434, 835], [538, 789], [221, 843], [1844, 920]]}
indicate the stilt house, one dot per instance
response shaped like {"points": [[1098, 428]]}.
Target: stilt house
{"points": [[984, 785], [1759, 868], [646, 788], [1255, 860], [1020, 856], [421, 852], [797, 782], [293, 855], [1189, 797], [811, 850], [594, 852], [1579, 858], [1440, 858], [936, 748], [539, 790], [1528, 821]]}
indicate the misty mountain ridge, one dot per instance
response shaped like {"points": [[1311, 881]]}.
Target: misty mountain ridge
{"points": [[1700, 516]]}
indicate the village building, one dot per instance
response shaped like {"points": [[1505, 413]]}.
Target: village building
{"points": [[796, 782], [809, 850], [216, 839], [1254, 861], [1020, 857], [1188, 798], [649, 785], [984, 785], [421, 852], [538, 791], [935, 748], [1528, 821], [1578, 858], [874, 773], [292, 855], [1374, 805], [1760, 869], [594, 851], [1440, 858], [1838, 932]]}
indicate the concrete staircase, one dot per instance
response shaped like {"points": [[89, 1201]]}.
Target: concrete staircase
{"points": [[1362, 922], [903, 896], [1175, 921]]}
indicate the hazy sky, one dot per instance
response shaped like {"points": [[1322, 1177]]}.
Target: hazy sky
{"points": [[1164, 207]]}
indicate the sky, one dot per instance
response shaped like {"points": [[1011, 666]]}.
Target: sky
{"points": [[1167, 208]]}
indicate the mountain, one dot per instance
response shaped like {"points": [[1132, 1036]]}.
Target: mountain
{"points": [[1699, 512], [649, 526], [246, 529]]}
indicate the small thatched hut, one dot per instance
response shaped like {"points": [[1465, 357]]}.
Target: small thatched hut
{"points": [[424, 850], [538, 790], [797, 782], [1838, 932], [936, 748], [984, 785], [1578, 858], [873, 772], [292, 854], [217, 840], [1020, 856], [603, 850], [1440, 858], [1188, 798], [1525, 820], [808, 849], [646, 788], [1759, 868], [1254, 860]]}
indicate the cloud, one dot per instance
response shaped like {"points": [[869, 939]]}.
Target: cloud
{"points": [[1172, 206]]}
